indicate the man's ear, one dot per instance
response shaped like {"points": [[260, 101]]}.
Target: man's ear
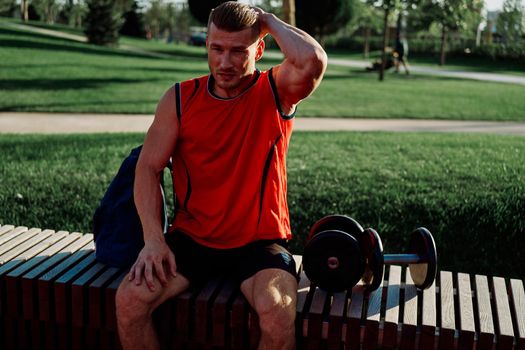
{"points": [[260, 49]]}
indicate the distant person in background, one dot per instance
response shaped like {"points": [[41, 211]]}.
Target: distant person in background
{"points": [[400, 53]]}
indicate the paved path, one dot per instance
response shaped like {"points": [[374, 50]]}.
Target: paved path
{"points": [[47, 123], [501, 78]]}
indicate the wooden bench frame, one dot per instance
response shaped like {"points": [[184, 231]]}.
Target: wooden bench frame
{"points": [[55, 295]]}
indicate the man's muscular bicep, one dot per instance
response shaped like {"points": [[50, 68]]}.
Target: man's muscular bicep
{"points": [[162, 134], [294, 83]]}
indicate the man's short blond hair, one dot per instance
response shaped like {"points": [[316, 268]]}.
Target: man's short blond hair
{"points": [[232, 16]]}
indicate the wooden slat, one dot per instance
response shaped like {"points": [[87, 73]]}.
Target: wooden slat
{"points": [[373, 316], [467, 327], [79, 307], [46, 287], [239, 321], [220, 314], [22, 252], [448, 318], [17, 241], [96, 297], [202, 306], [506, 332], [429, 318], [335, 320], [315, 319], [408, 334], [354, 315], [486, 323], [392, 308], [7, 235], [33, 256], [36, 267], [303, 290], [62, 287], [184, 311], [518, 302], [6, 228]]}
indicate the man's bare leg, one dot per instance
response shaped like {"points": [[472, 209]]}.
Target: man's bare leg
{"points": [[135, 305], [273, 295]]}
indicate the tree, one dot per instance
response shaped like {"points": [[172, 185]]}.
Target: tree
{"points": [[133, 22], [7, 7], [509, 23], [200, 9], [47, 9], [388, 6], [24, 10], [368, 19], [321, 19], [102, 22], [73, 13], [450, 15]]}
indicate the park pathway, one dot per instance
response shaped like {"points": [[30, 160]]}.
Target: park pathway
{"points": [[414, 69], [49, 123]]}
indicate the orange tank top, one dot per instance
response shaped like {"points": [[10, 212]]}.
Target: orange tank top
{"points": [[229, 164]]}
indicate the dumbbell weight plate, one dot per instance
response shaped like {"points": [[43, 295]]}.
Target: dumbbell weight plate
{"points": [[333, 261], [373, 254], [337, 222], [422, 243]]}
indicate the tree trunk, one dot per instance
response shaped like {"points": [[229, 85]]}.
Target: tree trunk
{"points": [[385, 42], [289, 11], [443, 44], [367, 43], [24, 10]]}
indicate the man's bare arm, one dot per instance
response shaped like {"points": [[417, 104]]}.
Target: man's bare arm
{"points": [[158, 147], [304, 60]]}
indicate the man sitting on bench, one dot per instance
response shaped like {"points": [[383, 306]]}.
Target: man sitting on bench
{"points": [[227, 134]]}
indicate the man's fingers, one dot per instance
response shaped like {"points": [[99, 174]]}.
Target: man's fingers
{"points": [[131, 274], [159, 270], [148, 276], [138, 273]]}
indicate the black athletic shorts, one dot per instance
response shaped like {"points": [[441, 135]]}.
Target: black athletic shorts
{"points": [[199, 263]]}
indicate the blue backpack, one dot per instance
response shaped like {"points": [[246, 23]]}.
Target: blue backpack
{"points": [[116, 223]]}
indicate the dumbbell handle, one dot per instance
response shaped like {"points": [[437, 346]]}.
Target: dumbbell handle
{"points": [[393, 259]]}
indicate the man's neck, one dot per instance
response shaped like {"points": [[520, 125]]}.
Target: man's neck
{"points": [[245, 84]]}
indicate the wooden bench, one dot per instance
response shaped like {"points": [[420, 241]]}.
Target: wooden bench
{"points": [[55, 295]]}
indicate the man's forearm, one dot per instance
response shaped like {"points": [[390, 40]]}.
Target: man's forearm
{"points": [[298, 47], [148, 200]]}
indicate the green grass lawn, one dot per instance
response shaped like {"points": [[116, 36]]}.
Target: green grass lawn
{"points": [[46, 74], [469, 190]]}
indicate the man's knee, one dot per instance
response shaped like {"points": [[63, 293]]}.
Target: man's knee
{"points": [[133, 302], [276, 313]]}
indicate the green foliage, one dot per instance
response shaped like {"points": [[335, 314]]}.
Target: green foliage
{"points": [[7, 7], [468, 190], [321, 20], [133, 22], [48, 10], [510, 21], [102, 22]]}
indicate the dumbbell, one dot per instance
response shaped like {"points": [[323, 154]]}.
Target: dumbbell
{"points": [[339, 253]]}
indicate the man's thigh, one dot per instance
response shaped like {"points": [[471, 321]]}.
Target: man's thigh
{"points": [[268, 274], [271, 288]]}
